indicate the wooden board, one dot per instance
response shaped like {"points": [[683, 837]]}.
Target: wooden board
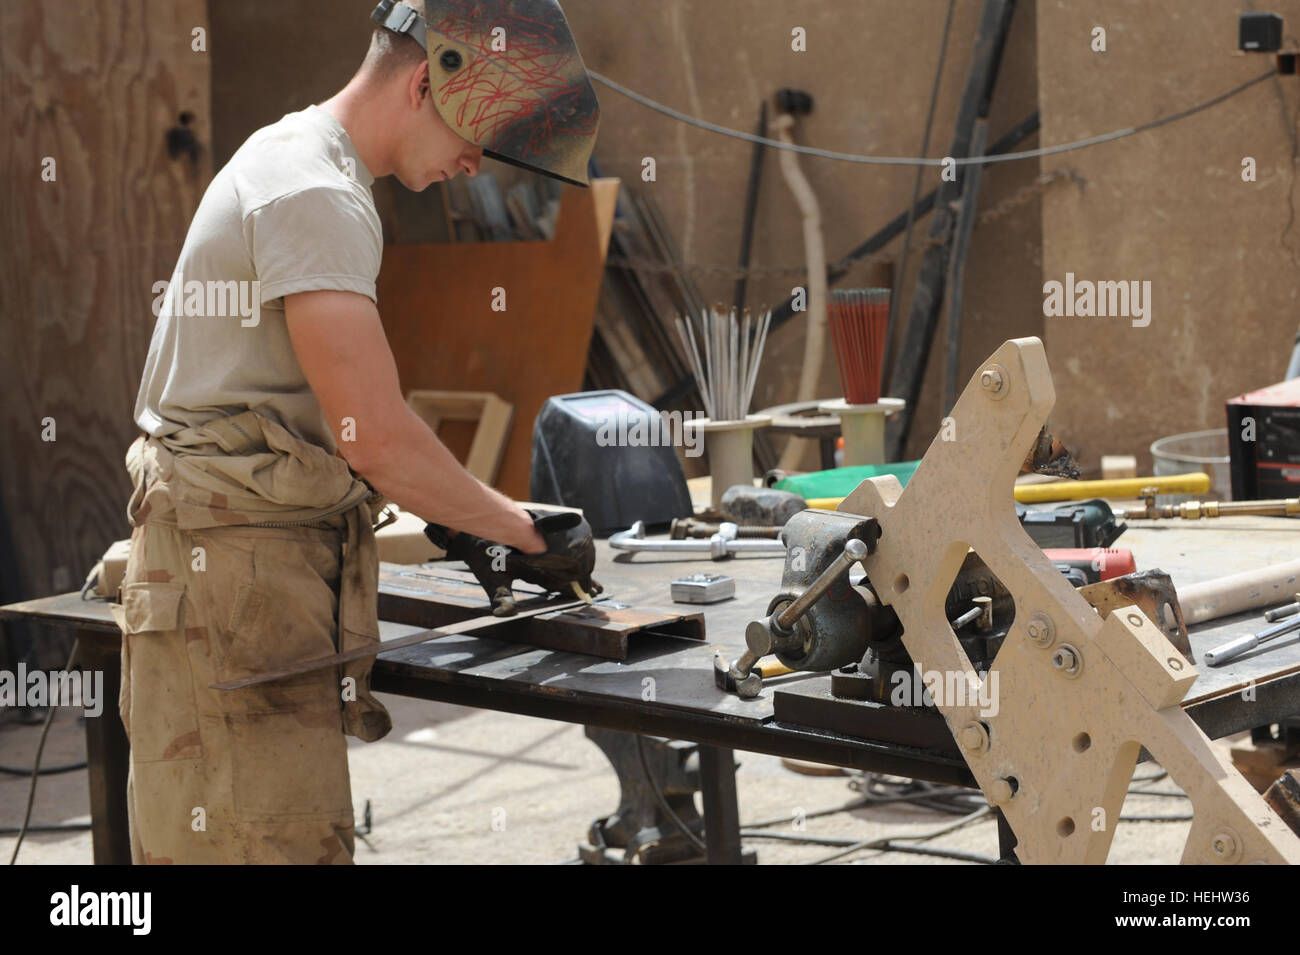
{"points": [[95, 87], [437, 301], [489, 415]]}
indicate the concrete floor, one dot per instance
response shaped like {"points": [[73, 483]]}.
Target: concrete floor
{"points": [[446, 774]]}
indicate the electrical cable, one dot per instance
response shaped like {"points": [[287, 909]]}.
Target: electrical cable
{"points": [[886, 842], [36, 765], [879, 790], [46, 827], [691, 837], [922, 161], [51, 771]]}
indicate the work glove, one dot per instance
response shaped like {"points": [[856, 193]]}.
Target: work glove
{"points": [[569, 559]]}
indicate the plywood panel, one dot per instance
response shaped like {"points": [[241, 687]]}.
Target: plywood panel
{"points": [[437, 305], [95, 86]]}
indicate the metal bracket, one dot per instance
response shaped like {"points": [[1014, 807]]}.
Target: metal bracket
{"points": [[398, 17], [1078, 696]]}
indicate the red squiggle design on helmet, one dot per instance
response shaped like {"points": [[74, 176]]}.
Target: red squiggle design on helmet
{"points": [[525, 95]]}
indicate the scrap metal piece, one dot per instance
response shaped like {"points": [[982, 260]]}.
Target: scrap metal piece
{"points": [[1068, 730], [1152, 592], [1284, 797], [439, 597], [1048, 455]]}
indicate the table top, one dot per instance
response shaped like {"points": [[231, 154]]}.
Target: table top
{"points": [[663, 674]]}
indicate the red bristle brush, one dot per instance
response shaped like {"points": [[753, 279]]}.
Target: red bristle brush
{"points": [[858, 320]]}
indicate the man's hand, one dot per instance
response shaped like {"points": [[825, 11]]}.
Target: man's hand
{"points": [[569, 559], [340, 344]]}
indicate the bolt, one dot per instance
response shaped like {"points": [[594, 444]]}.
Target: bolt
{"points": [[1135, 619], [1041, 630], [1066, 659], [1175, 663], [974, 737], [1000, 792], [1224, 845], [991, 380]]}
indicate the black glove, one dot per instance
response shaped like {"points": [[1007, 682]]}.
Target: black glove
{"points": [[570, 558]]}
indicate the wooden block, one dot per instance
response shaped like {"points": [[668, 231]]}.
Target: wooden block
{"points": [[1116, 466], [489, 412], [403, 541]]}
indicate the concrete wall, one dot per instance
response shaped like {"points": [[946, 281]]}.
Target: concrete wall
{"points": [[1169, 207], [869, 65]]}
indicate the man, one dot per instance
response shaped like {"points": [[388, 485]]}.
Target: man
{"points": [[275, 428]]}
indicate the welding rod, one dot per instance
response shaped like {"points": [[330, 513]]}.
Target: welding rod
{"points": [[1235, 648], [1286, 610]]}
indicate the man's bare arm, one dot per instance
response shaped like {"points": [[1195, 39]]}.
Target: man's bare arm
{"points": [[341, 346]]}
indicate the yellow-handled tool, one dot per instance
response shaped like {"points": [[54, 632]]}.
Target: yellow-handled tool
{"points": [[1192, 483]]}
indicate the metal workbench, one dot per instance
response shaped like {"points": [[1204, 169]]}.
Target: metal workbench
{"points": [[665, 687]]}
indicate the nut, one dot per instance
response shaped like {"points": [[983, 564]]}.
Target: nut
{"points": [[1041, 630], [1067, 660]]}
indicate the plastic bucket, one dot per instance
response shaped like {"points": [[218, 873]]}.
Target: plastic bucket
{"points": [[1195, 451]]}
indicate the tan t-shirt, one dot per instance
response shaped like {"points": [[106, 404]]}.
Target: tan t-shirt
{"points": [[290, 212]]}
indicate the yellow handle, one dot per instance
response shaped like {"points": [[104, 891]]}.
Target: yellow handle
{"points": [[1192, 483]]}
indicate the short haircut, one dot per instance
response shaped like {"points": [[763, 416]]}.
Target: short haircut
{"points": [[391, 53]]}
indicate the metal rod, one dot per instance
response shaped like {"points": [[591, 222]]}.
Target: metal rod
{"points": [[1235, 648], [854, 551]]}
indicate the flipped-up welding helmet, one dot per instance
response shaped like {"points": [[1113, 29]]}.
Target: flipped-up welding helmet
{"points": [[506, 75]]}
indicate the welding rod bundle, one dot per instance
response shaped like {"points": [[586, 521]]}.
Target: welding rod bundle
{"points": [[732, 350]]}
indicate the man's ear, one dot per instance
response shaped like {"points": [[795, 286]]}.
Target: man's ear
{"points": [[417, 85]]}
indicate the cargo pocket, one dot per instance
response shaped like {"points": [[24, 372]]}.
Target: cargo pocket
{"points": [[274, 594], [157, 697], [288, 765]]}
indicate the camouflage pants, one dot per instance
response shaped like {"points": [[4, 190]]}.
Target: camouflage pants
{"points": [[258, 775]]}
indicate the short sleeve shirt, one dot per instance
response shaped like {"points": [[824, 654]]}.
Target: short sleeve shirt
{"points": [[290, 212]]}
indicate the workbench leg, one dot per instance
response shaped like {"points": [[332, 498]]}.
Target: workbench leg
{"points": [[107, 752], [721, 809]]}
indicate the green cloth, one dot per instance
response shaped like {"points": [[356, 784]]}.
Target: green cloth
{"points": [[838, 482]]}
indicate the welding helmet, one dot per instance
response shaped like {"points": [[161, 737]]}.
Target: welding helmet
{"points": [[506, 75]]}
